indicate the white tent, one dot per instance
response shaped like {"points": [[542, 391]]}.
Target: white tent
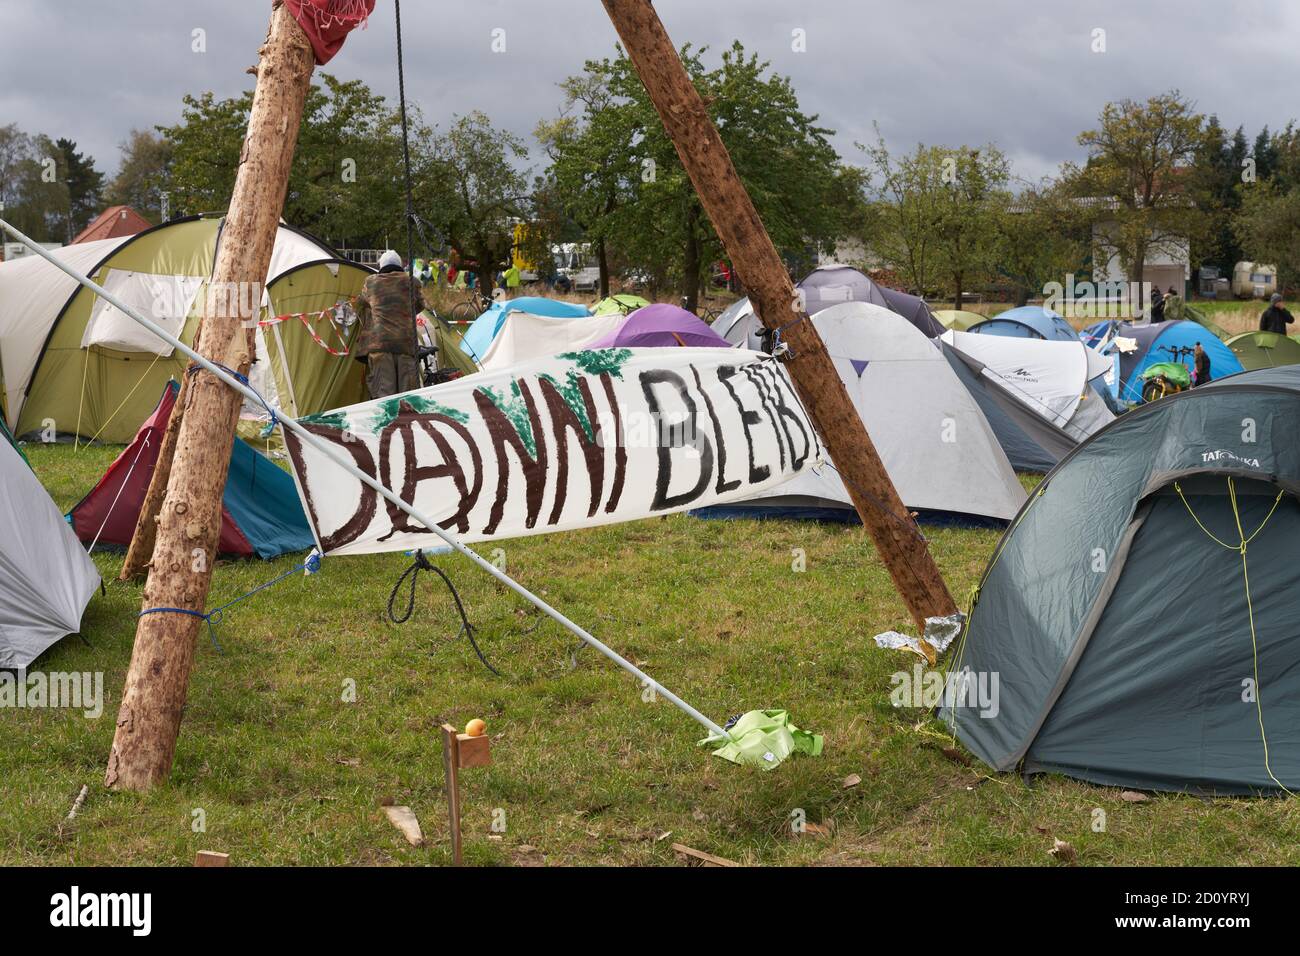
{"points": [[935, 443], [525, 336], [46, 577], [1050, 391]]}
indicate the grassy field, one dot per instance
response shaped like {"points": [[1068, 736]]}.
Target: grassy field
{"points": [[585, 772]]}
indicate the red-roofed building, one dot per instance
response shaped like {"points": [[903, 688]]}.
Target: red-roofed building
{"points": [[113, 222]]}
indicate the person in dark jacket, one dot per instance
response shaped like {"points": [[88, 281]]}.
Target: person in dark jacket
{"points": [[1275, 318], [1202, 358], [1157, 305], [386, 307]]}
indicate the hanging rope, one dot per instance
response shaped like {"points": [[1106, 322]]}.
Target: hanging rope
{"points": [[412, 573], [406, 147], [1241, 547]]}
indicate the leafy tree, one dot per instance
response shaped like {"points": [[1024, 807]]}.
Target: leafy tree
{"points": [[85, 185], [909, 204], [144, 174], [33, 184], [346, 180], [624, 182], [1042, 238], [476, 191], [1268, 224], [1138, 176]]}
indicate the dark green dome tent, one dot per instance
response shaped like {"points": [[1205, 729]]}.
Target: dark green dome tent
{"points": [[1264, 349], [1131, 639]]}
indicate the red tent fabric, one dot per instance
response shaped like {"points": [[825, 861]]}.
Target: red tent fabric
{"points": [[107, 515]]}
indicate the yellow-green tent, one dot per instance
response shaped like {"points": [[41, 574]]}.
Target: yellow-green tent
{"points": [[618, 303], [73, 364], [958, 319], [1264, 350]]}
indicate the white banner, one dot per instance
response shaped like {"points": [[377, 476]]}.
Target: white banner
{"points": [[581, 439]]}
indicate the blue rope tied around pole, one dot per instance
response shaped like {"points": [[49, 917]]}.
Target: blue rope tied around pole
{"points": [[243, 380], [214, 617]]}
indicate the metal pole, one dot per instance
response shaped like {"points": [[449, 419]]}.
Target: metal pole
{"points": [[325, 449]]}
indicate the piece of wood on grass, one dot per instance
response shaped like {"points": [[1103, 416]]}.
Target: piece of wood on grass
{"points": [[405, 820], [211, 858], [700, 858]]}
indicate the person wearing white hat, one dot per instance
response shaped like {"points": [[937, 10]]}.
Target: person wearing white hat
{"points": [[387, 306]]}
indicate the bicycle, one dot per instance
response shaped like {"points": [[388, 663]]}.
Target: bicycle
{"points": [[1167, 378], [703, 312], [471, 307]]}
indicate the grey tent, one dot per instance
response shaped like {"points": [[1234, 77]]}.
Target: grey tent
{"points": [[46, 577], [1121, 633], [1041, 398], [832, 285]]}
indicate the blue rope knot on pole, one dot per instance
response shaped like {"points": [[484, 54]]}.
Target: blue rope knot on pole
{"points": [[273, 421], [215, 616]]}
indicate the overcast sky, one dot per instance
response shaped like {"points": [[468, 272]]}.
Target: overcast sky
{"points": [[1020, 73]]}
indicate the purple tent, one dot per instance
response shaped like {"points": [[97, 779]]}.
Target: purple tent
{"points": [[661, 325]]}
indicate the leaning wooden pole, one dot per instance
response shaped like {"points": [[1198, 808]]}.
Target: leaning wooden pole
{"points": [[189, 522], [140, 551], [724, 198]]}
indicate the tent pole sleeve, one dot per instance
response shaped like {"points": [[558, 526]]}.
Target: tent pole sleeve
{"points": [[324, 448]]}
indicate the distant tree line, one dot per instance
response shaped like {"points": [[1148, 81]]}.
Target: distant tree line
{"points": [[942, 220]]}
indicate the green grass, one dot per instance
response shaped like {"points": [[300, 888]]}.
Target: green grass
{"points": [[583, 770]]}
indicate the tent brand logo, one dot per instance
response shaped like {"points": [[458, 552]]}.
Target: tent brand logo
{"points": [[929, 689], [1225, 455], [1023, 375], [77, 909], [38, 691]]}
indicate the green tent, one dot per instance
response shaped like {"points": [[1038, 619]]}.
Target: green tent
{"points": [[959, 319], [447, 339], [1264, 349], [70, 361], [1122, 634], [1200, 318], [619, 303]]}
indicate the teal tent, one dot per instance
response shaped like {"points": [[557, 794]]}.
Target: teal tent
{"points": [[1121, 633]]}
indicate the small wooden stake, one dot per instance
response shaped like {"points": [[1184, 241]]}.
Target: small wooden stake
{"points": [[451, 767], [211, 858]]}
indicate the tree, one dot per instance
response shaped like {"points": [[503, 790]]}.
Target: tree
{"points": [[1221, 164], [970, 207], [1138, 177], [908, 195], [1268, 224], [85, 186], [346, 181], [624, 182], [143, 175], [33, 184], [1041, 239], [476, 190]]}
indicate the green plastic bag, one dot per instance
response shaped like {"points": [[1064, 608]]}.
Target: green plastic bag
{"points": [[764, 738]]}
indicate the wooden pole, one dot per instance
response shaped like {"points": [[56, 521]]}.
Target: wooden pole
{"points": [[773, 295], [189, 522], [140, 551]]}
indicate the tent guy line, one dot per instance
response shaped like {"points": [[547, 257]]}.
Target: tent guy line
{"points": [[324, 448]]}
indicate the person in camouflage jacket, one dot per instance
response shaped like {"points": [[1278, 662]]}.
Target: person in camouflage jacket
{"points": [[386, 308]]}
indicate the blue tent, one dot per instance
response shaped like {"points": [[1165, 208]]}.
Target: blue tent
{"points": [[261, 513], [1157, 343], [485, 328], [1028, 322]]}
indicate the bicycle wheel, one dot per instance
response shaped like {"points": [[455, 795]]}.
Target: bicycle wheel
{"points": [[463, 312], [1153, 390]]}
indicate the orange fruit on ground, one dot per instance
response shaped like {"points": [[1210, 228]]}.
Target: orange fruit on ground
{"points": [[475, 728]]}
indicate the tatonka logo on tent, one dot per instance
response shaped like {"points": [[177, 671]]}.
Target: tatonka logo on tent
{"points": [[929, 689], [76, 691], [74, 909], [1225, 455]]}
